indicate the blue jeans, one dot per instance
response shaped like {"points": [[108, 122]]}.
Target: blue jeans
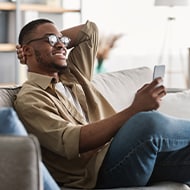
{"points": [[150, 147], [10, 124]]}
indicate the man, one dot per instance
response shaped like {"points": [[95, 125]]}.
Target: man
{"points": [[85, 143]]}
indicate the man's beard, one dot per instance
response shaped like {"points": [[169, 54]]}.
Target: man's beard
{"points": [[50, 65], [58, 67]]}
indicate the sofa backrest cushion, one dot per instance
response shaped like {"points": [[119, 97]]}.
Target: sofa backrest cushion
{"points": [[7, 96], [177, 104], [119, 87]]}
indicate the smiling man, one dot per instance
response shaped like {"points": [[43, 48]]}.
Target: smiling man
{"points": [[41, 58], [84, 142]]}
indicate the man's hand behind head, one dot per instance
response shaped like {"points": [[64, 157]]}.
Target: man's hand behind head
{"points": [[20, 54]]}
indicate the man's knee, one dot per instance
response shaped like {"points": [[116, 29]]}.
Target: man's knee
{"points": [[151, 122]]}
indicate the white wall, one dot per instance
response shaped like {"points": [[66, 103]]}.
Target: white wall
{"points": [[144, 27]]}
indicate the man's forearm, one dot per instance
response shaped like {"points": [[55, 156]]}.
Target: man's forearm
{"points": [[97, 134]]}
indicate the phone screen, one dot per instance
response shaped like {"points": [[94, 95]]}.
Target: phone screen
{"points": [[159, 71]]}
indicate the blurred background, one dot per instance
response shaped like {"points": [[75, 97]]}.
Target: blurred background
{"points": [[133, 33], [149, 36]]}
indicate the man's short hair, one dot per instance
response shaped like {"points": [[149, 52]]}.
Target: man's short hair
{"points": [[29, 28]]}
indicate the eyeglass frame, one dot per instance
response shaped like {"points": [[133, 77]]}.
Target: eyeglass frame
{"points": [[49, 40]]}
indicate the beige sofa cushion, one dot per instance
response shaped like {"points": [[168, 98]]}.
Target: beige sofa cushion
{"points": [[177, 104], [120, 87]]}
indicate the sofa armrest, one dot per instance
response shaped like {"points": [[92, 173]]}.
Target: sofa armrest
{"points": [[19, 163]]}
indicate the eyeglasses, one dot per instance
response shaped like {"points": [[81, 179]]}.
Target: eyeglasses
{"points": [[53, 39]]}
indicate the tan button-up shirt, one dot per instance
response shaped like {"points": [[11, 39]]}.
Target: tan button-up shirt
{"points": [[56, 122]]}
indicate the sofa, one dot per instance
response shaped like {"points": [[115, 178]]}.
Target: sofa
{"points": [[119, 88]]}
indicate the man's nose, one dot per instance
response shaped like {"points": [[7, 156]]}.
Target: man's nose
{"points": [[60, 44]]}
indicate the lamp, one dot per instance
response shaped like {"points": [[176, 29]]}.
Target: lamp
{"points": [[168, 35], [171, 3]]}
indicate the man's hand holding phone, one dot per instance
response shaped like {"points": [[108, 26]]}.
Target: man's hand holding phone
{"points": [[149, 96]]}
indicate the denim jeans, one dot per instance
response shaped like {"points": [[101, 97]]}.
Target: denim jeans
{"points": [[10, 124], [150, 147]]}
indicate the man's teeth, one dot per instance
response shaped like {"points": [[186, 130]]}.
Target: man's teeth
{"points": [[58, 54]]}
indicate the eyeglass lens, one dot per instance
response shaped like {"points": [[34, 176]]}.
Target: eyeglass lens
{"points": [[54, 39]]}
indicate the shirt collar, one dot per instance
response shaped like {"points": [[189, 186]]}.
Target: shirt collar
{"points": [[41, 80]]}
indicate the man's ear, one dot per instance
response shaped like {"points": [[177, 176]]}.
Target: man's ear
{"points": [[27, 50]]}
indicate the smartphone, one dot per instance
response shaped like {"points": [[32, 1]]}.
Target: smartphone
{"points": [[159, 71]]}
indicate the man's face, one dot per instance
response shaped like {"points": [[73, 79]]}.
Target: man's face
{"points": [[49, 57]]}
